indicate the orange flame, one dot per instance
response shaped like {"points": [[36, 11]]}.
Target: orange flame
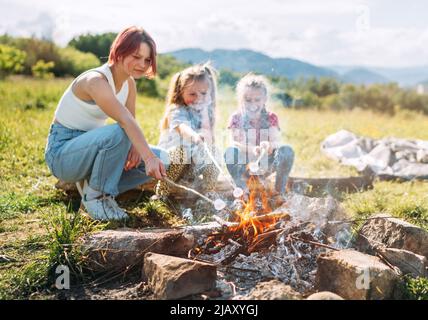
{"points": [[258, 203]]}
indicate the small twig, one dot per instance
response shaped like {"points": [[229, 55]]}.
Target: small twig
{"points": [[205, 261], [297, 252], [378, 253], [385, 260], [272, 215], [233, 255], [232, 285], [240, 269], [295, 271], [6, 259], [233, 242], [357, 220], [225, 223], [313, 243]]}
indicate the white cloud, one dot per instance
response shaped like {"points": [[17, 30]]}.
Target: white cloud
{"points": [[328, 32]]}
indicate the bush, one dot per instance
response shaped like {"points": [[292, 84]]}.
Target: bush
{"points": [[42, 69], [410, 100], [310, 100], [228, 77], [36, 50], [73, 62], [11, 60], [148, 87], [323, 87], [97, 44], [67, 61], [168, 65]]}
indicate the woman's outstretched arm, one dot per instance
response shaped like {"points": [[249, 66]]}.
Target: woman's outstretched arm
{"points": [[100, 91]]}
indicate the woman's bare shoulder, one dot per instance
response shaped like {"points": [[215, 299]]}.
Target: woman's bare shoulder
{"points": [[83, 84], [91, 77]]}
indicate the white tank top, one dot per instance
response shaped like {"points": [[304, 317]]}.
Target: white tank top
{"points": [[75, 113]]}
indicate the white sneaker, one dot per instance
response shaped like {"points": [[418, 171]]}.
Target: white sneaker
{"points": [[101, 208], [116, 207], [104, 208]]}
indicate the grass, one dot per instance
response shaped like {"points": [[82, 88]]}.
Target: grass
{"points": [[416, 289], [39, 224], [404, 200]]}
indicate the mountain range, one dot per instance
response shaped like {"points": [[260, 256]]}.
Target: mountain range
{"points": [[244, 60]]}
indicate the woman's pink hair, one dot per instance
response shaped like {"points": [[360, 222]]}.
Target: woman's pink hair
{"points": [[128, 42]]}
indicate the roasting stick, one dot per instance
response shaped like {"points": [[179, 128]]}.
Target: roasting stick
{"points": [[218, 204], [237, 192]]}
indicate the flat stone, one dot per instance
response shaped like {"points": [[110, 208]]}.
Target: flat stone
{"points": [[324, 295], [273, 290], [174, 278], [407, 261], [122, 249], [393, 233], [355, 276]]}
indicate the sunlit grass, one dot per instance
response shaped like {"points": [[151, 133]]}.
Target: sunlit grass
{"points": [[27, 188]]}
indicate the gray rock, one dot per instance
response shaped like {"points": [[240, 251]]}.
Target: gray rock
{"points": [[407, 261], [273, 290], [120, 249], [174, 278], [324, 295], [393, 233], [355, 276]]}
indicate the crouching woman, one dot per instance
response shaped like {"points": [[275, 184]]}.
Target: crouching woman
{"points": [[106, 160]]}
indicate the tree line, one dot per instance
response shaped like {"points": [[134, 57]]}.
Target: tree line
{"points": [[42, 58]]}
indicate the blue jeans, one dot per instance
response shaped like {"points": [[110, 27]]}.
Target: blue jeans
{"points": [[280, 161], [98, 155]]}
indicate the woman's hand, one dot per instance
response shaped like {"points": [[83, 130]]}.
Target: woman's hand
{"points": [[155, 168], [133, 160]]}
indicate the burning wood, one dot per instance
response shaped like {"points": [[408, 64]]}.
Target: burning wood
{"points": [[255, 227]]}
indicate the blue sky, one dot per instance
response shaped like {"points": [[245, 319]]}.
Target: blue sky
{"points": [[329, 32]]}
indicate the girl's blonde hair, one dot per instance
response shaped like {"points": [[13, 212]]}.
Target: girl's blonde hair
{"points": [[258, 82], [251, 81], [182, 79]]}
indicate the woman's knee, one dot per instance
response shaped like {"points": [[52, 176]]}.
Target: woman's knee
{"points": [[116, 136]]}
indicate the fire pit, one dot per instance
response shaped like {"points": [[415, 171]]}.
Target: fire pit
{"points": [[259, 243]]}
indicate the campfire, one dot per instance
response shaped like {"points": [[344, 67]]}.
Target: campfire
{"points": [[263, 242]]}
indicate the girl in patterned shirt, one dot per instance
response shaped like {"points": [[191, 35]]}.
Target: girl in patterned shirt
{"points": [[254, 130]]}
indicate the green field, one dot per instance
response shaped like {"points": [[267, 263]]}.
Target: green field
{"points": [[35, 218]]}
